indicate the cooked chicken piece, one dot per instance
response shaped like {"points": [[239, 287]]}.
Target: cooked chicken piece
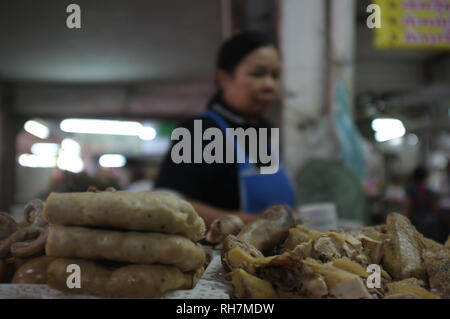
{"points": [[303, 250], [303, 277], [372, 248], [299, 272], [353, 241], [223, 226], [282, 278], [331, 245], [297, 235], [362, 259], [362, 248], [270, 230], [350, 266], [315, 287], [237, 258], [249, 286], [357, 269], [402, 256], [288, 273], [410, 286], [284, 272], [374, 232], [350, 251], [437, 265], [326, 248], [231, 242], [340, 283]]}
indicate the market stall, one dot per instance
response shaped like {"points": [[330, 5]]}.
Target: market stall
{"points": [[115, 244]]}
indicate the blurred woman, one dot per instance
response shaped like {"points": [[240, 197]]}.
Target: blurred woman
{"points": [[248, 80]]}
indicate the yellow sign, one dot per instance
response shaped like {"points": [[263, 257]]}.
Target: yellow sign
{"points": [[423, 24]]}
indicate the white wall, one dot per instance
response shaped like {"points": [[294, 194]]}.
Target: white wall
{"points": [[306, 133]]}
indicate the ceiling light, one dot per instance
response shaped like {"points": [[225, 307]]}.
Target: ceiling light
{"points": [[387, 129], [32, 160], [112, 160], [37, 129], [106, 127], [45, 149], [147, 133], [69, 162], [70, 146]]}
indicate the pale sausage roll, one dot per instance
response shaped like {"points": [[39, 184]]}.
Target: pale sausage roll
{"points": [[131, 281], [157, 212], [129, 247]]}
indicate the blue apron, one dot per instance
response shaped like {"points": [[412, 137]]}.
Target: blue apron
{"points": [[257, 191]]}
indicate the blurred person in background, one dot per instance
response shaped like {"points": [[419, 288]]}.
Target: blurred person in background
{"points": [[421, 205], [248, 83], [67, 182]]}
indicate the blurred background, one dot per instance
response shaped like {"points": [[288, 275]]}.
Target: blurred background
{"points": [[364, 116]]}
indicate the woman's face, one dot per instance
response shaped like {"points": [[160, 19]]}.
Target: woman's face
{"points": [[255, 83]]}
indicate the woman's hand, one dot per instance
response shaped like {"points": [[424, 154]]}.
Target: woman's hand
{"points": [[210, 213], [247, 218]]}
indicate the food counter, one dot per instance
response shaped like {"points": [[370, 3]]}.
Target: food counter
{"points": [[152, 245], [211, 285]]}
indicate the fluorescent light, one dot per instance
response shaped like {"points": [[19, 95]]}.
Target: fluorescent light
{"points": [[32, 160], [69, 162], [70, 146], [387, 129], [106, 127], [45, 149], [112, 160], [147, 133], [385, 124], [37, 129], [69, 157]]}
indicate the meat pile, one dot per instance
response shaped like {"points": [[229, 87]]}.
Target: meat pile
{"points": [[22, 246], [277, 259], [124, 244]]}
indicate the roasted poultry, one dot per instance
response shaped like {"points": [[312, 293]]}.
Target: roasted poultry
{"points": [[312, 264]]}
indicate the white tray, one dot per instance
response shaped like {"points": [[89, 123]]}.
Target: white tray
{"points": [[211, 285]]}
